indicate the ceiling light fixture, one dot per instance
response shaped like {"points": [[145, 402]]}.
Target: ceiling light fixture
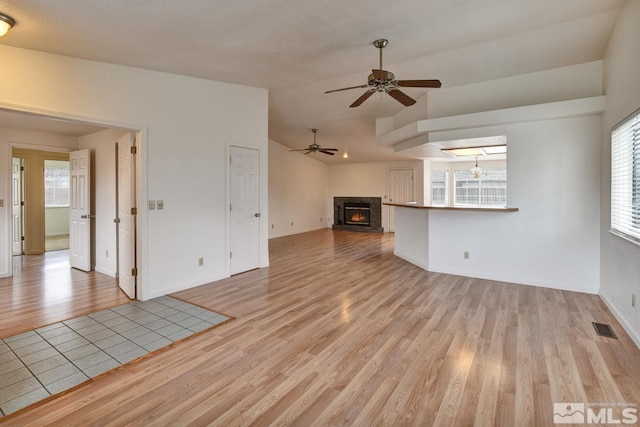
{"points": [[345, 155], [476, 151], [6, 22], [476, 172]]}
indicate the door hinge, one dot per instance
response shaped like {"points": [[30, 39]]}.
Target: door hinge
{"points": [[134, 272], [21, 203], [134, 149], [21, 168], [229, 159], [230, 207], [134, 211], [230, 254], [22, 238]]}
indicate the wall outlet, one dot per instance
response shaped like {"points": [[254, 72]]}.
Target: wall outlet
{"points": [[152, 205], [292, 223], [160, 204], [106, 253], [200, 262], [273, 226], [466, 255], [633, 300]]}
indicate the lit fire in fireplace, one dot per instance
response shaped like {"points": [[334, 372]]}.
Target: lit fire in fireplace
{"points": [[358, 217]]}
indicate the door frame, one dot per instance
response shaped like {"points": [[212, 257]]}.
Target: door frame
{"points": [[140, 131], [391, 209], [263, 250]]}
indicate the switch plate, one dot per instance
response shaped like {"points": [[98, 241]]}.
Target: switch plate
{"points": [[1, 203], [152, 205], [160, 204]]}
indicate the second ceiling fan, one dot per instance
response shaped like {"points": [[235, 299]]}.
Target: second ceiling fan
{"points": [[385, 81]]}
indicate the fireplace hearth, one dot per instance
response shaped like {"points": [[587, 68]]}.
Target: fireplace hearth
{"points": [[358, 214]]}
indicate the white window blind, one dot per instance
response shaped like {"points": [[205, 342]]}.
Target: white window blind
{"points": [[56, 183], [625, 177], [488, 190], [439, 193]]}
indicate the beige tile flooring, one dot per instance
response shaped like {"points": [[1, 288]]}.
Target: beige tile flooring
{"points": [[56, 243], [45, 361]]}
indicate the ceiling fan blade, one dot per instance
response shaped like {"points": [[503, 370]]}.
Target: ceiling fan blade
{"points": [[419, 83], [322, 150], [401, 97], [310, 151], [347, 88], [302, 149], [362, 98], [331, 149]]}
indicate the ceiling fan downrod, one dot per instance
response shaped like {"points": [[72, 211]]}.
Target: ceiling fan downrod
{"points": [[380, 44]]}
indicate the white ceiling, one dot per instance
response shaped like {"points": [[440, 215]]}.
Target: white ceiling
{"points": [[300, 49]]}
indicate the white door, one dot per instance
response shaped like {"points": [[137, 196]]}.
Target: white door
{"points": [[400, 190], [126, 219], [16, 205], [80, 210], [244, 189]]}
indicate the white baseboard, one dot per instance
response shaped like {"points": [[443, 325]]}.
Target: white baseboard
{"points": [[635, 338]]}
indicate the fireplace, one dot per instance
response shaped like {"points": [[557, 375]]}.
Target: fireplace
{"points": [[358, 214]]}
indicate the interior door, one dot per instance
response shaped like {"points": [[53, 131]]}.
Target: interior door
{"points": [[126, 219], [400, 190], [244, 190], [16, 204], [80, 210]]}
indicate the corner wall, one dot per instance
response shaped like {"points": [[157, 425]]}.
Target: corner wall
{"points": [[620, 259], [298, 191]]}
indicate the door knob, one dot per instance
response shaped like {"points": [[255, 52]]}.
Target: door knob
{"points": [[83, 216], [257, 215]]}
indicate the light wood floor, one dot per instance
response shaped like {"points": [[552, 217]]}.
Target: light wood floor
{"points": [[338, 331], [45, 290]]}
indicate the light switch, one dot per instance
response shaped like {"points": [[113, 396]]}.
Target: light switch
{"points": [[1, 203], [160, 204], [152, 205]]}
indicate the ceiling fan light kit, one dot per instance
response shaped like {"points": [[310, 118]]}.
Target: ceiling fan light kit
{"points": [[315, 148], [383, 81]]}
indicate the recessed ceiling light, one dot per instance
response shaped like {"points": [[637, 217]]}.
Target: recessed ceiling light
{"points": [[476, 151], [6, 22]]}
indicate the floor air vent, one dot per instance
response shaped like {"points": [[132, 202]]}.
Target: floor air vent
{"points": [[604, 330]]}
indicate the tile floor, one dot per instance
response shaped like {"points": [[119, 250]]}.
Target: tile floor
{"points": [[45, 361]]}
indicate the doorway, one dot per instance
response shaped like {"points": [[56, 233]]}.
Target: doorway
{"points": [[400, 191], [25, 188]]}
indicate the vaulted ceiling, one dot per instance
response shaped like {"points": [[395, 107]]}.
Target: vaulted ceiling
{"points": [[300, 49]]}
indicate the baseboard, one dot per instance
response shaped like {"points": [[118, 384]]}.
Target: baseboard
{"points": [[184, 286], [635, 338], [297, 231], [105, 271]]}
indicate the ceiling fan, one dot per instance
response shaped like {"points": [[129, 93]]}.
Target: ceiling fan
{"points": [[315, 148], [385, 81]]}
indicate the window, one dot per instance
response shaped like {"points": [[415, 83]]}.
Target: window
{"points": [[56, 183], [439, 194], [625, 177], [488, 190]]}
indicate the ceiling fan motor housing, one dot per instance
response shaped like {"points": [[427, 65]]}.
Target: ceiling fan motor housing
{"points": [[383, 76]]}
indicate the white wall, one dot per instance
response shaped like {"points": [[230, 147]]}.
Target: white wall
{"points": [[298, 192], [371, 180], [620, 259], [56, 221], [186, 126], [103, 177], [553, 240]]}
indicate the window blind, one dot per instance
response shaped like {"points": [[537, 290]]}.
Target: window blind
{"points": [[625, 177]]}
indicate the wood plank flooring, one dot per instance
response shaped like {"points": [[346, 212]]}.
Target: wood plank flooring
{"points": [[45, 290], [338, 331]]}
